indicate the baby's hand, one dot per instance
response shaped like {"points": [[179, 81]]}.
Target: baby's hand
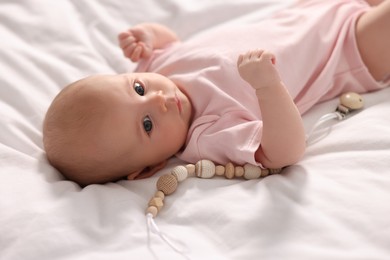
{"points": [[136, 43], [258, 69]]}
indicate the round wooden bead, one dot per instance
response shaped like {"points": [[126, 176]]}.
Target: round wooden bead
{"points": [[351, 100], [180, 172], [205, 169], [229, 171], [251, 171], [156, 202], [191, 170], [167, 184], [152, 210], [219, 170], [239, 171], [159, 194]]}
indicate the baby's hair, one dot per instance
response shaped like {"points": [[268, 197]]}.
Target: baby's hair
{"points": [[70, 120]]}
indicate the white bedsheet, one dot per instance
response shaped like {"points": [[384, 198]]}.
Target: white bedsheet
{"points": [[334, 204]]}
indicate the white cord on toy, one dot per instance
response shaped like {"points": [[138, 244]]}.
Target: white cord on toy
{"points": [[153, 228], [325, 118], [348, 103]]}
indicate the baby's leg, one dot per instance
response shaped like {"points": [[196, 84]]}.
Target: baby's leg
{"points": [[373, 39]]}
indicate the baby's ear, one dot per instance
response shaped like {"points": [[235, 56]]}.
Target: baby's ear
{"points": [[146, 172]]}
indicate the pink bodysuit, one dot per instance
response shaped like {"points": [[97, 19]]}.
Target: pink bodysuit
{"points": [[316, 55]]}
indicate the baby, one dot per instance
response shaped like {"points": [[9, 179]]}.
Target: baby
{"points": [[211, 98]]}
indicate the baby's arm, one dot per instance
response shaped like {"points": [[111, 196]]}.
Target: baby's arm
{"points": [[283, 137], [139, 41]]}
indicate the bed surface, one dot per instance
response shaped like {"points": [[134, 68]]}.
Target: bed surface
{"points": [[334, 204]]}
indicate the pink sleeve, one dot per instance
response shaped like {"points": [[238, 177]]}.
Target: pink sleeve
{"points": [[230, 138]]}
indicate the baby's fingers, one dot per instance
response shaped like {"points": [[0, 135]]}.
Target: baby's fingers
{"points": [[146, 50], [269, 56], [252, 55], [135, 55], [239, 60], [125, 36], [126, 42]]}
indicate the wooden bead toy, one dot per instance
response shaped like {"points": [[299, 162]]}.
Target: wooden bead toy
{"points": [[180, 172], [152, 210], [156, 202], [351, 100], [251, 172], [167, 184], [159, 194], [229, 171], [239, 171], [348, 102], [205, 169], [191, 170], [264, 173], [274, 171], [219, 170]]}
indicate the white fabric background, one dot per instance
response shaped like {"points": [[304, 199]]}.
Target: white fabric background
{"points": [[334, 204]]}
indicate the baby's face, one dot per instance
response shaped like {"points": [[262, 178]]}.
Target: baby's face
{"points": [[147, 118]]}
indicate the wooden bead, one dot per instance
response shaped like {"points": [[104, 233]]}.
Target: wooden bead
{"points": [[264, 172], [351, 100], [229, 171], [205, 169], [251, 171], [274, 171], [219, 170], [152, 210], [180, 172], [191, 170], [239, 171], [167, 184], [156, 202], [159, 194]]}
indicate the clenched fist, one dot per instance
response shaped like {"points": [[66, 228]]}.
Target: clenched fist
{"points": [[257, 67]]}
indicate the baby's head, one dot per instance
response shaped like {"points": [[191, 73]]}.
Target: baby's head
{"points": [[108, 127]]}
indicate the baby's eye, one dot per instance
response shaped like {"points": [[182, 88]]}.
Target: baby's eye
{"points": [[139, 88], [148, 125]]}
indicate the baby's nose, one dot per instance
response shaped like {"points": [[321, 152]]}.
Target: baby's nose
{"points": [[159, 100]]}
